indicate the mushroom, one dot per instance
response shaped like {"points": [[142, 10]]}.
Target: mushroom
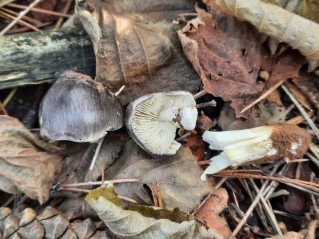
{"points": [[263, 144], [152, 120], [79, 109]]}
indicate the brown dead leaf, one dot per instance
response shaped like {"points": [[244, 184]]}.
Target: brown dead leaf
{"points": [[76, 166], [204, 122], [300, 96], [287, 66], [300, 33], [264, 113], [209, 213], [130, 50], [226, 54], [25, 166], [309, 86], [196, 144], [297, 201], [178, 177]]}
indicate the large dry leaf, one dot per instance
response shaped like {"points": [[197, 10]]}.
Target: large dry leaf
{"points": [[178, 177], [227, 55], [300, 33], [25, 165], [130, 50], [141, 222]]}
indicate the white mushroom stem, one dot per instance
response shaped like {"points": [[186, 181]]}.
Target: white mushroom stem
{"points": [[97, 151], [239, 147], [185, 116], [219, 140]]}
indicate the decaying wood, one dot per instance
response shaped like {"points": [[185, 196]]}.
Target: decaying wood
{"points": [[36, 57]]}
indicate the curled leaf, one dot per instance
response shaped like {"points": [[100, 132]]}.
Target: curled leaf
{"points": [[300, 33], [25, 166], [143, 221]]}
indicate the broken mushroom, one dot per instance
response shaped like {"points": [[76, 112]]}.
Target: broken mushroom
{"points": [[79, 109], [152, 120], [262, 145]]}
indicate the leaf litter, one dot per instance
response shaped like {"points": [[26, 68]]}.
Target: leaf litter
{"points": [[137, 46]]}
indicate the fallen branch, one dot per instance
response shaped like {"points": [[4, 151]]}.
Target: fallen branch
{"points": [[36, 57]]}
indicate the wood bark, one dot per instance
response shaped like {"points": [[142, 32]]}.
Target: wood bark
{"points": [[36, 57]]}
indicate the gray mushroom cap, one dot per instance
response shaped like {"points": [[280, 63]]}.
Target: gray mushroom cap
{"points": [[152, 120], [78, 109]]}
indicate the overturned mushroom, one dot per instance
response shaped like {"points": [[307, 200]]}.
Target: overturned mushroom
{"points": [[78, 109], [152, 120], [262, 145]]}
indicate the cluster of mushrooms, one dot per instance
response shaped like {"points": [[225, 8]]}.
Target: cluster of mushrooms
{"points": [[79, 109]]}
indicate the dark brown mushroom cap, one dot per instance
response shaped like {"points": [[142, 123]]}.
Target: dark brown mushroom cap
{"points": [[78, 109]]}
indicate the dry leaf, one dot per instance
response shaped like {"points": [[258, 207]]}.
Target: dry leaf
{"points": [[287, 66], [309, 86], [204, 122], [303, 98], [264, 113], [306, 8], [196, 144], [25, 166], [142, 55], [76, 166], [143, 221], [300, 33], [178, 177], [209, 213], [297, 202], [226, 54]]}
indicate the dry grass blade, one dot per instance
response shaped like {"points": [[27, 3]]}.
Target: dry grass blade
{"points": [[65, 11], [58, 14], [29, 19], [298, 119], [23, 13], [264, 95], [126, 180], [3, 109], [20, 22], [305, 184], [254, 203], [159, 195], [268, 209], [302, 111]]}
